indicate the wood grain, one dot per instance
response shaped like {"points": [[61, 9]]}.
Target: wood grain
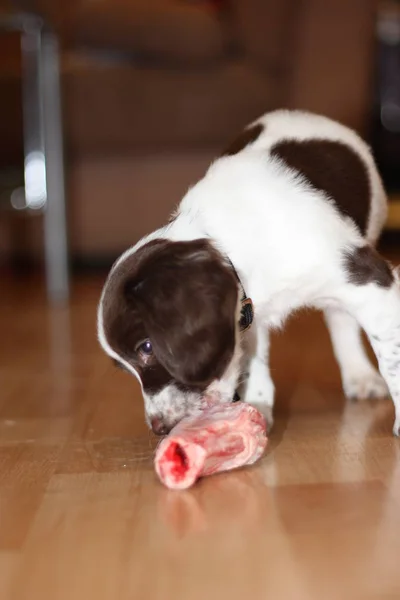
{"points": [[82, 515]]}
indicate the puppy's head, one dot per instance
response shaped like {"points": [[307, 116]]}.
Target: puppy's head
{"points": [[168, 314]]}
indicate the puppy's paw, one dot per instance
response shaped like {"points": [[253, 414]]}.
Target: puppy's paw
{"points": [[365, 385]]}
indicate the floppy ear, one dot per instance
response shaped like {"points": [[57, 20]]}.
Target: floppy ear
{"points": [[187, 298]]}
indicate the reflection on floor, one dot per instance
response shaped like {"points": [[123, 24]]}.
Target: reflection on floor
{"points": [[83, 517]]}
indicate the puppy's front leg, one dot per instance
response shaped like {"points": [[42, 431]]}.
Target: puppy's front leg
{"points": [[258, 389]]}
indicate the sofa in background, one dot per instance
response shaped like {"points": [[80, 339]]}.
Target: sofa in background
{"points": [[153, 89]]}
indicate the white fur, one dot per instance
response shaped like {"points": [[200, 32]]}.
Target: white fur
{"points": [[286, 242]]}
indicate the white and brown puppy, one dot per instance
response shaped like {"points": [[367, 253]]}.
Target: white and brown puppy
{"points": [[288, 216]]}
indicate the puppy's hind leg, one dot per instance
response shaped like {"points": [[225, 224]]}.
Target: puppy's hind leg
{"points": [[360, 379], [372, 296]]}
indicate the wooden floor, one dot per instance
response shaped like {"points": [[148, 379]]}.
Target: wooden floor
{"points": [[82, 516]]}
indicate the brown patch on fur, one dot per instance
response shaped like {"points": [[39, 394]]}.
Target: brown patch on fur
{"points": [[123, 326], [334, 168], [248, 136], [183, 297], [364, 265]]}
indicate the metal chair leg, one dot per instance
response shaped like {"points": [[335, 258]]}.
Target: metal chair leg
{"points": [[43, 148], [55, 223]]}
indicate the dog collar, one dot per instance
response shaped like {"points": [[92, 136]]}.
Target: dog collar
{"points": [[246, 313], [247, 310]]}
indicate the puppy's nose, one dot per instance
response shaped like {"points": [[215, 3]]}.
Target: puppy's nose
{"points": [[159, 427]]}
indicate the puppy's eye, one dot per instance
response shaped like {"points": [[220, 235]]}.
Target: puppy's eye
{"points": [[145, 348]]}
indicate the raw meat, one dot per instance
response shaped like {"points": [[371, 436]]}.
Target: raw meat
{"points": [[222, 437]]}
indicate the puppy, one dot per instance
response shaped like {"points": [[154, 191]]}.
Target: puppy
{"points": [[286, 218]]}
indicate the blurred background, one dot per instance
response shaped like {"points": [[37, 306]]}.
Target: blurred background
{"points": [[117, 106]]}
